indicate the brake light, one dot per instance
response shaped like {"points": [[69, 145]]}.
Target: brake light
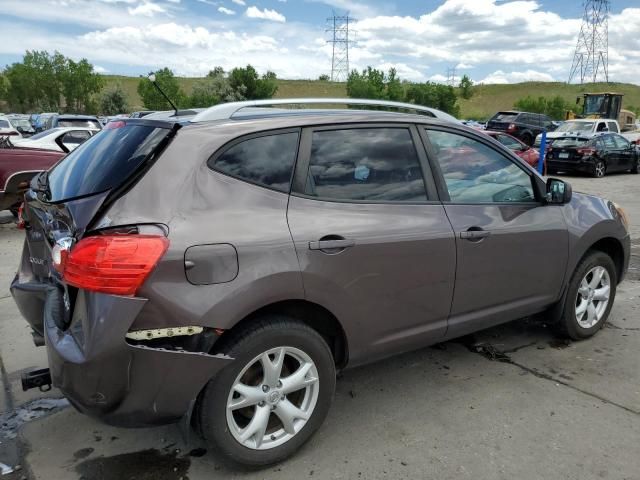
{"points": [[115, 264], [586, 152]]}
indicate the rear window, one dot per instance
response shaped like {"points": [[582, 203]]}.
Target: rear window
{"points": [[504, 117], [80, 123], [266, 160], [4, 124], [104, 161], [566, 142]]}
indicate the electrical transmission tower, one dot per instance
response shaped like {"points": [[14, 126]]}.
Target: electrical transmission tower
{"points": [[591, 59], [341, 40], [451, 76]]}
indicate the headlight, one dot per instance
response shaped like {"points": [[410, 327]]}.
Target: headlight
{"points": [[621, 214]]}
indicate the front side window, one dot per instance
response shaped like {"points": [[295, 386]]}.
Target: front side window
{"points": [[365, 164], [75, 137], [510, 142], [266, 160], [621, 142], [475, 173]]}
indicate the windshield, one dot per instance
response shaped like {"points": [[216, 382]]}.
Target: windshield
{"points": [[21, 123], [575, 127], [594, 104], [104, 161], [80, 123]]}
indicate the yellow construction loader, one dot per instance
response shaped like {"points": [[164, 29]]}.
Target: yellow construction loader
{"points": [[605, 105]]}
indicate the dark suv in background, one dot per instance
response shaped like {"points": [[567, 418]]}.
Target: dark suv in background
{"points": [[522, 125], [289, 245]]}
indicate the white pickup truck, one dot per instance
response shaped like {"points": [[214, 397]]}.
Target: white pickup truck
{"points": [[582, 127]]}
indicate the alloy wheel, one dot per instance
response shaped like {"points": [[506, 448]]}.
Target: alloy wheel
{"points": [[600, 169], [272, 398], [593, 297]]}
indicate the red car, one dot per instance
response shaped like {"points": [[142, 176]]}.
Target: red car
{"points": [[524, 151], [17, 167]]}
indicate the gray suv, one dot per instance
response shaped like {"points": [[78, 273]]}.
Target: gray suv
{"points": [[220, 270]]}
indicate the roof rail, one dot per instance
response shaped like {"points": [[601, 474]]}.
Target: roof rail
{"points": [[226, 111]]}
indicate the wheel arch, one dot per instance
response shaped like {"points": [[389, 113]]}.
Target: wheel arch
{"points": [[612, 247], [315, 316]]}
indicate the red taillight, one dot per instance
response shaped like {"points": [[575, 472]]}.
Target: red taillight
{"points": [[115, 264], [586, 152]]}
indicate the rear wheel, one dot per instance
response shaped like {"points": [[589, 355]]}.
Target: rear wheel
{"points": [[599, 169], [590, 296], [636, 166], [527, 138], [273, 397]]}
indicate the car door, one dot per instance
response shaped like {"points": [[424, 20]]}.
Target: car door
{"points": [[374, 243], [512, 248], [625, 152], [612, 154]]}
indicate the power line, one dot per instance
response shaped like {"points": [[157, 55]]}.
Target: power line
{"points": [[591, 58], [341, 40]]}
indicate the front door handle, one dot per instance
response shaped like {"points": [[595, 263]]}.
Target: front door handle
{"points": [[474, 234], [331, 244]]}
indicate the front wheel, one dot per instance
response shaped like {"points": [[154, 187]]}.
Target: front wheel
{"points": [[590, 296], [273, 397]]}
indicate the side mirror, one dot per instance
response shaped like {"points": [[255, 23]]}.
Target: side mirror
{"points": [[559, 192], [20, 129]]}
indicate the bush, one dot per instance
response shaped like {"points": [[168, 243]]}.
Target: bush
{"points": [[114, 101], [152, 99], [246, 80], [556, 107], [434, 95], [215, 89], [466, 87]]}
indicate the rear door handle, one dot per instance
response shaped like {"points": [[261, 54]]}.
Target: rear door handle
{"points": [[331, 244], [474, 235]]}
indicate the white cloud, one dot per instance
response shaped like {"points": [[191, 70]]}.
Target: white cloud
{"points": [[239, 2], [99, 69], [266, 14], [515, 77], [148, 9], [226, 11]]}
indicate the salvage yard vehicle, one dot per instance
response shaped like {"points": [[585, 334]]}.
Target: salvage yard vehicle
{"points": [[72, 120], [597, 156], [522, 125], [17, 168], [582, 128], [290, 244], [524, 151], [59, 139]]}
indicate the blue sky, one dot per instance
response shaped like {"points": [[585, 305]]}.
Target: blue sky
{"points": [[493, 41]]}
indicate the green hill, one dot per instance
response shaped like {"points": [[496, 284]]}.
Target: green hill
{"points": [[487, 99]]}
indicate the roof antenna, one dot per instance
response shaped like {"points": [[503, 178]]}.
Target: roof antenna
{"points": [[152, 79]]}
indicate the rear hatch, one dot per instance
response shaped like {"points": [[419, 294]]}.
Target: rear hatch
{"points": [[501, 121], [62, 202], [568, 148]]}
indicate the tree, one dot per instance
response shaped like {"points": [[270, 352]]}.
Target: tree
{"points": [[3, 86], [214, 89], [555, 107], [255, 87], [466, 87], [434, 95], [152, 99], [324, 78], [79, 84], [368, 84], [114, 100]]}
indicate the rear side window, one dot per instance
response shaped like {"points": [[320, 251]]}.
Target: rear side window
{"points": [[266, 160], [365, 164], [4, 124], [104, 161], [504, 117]]}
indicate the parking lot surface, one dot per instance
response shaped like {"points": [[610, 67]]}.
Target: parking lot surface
{"points": [[509, 402]]}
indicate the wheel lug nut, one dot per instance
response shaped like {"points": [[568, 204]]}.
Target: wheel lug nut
{"points": [[261, 404], [265, 388], [279, 384]]}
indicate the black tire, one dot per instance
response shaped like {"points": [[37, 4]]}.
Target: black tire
{"points": [[636, 166], [599, 169], [552, 171], [528, 139], [266, 333], [568, 325]]}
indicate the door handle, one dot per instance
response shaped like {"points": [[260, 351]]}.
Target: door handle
{"points": [[332, 244], [474, 234]]}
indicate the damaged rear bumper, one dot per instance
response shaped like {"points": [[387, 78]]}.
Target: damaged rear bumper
{"points": [[105, 377]]}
